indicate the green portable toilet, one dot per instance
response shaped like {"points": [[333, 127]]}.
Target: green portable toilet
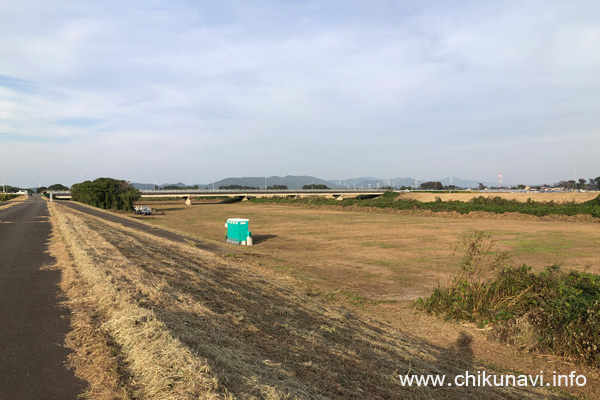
{"points": [[237, 231]]}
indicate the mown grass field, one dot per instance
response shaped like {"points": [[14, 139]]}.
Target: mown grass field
{"points": [[379, 255], [319, 308]]}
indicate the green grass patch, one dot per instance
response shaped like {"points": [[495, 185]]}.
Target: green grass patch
{"points": [[354, 298], [542, 246], [283, 268], [545, 245]]}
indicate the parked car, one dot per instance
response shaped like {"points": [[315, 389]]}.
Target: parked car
{"points": [[143, 210]]}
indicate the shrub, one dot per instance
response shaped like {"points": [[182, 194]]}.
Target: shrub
{"points": [[7, 196], [550, 311]]}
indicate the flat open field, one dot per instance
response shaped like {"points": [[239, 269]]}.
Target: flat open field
{"points": [[156, 319], [380, 256], [556, 197], [288, 317]]}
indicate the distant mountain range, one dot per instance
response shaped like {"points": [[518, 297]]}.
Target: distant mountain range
{"points": [[150, 186], [292, 182], [297, 182], [369, 182]]}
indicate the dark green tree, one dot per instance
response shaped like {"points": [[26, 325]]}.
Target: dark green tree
{"points": [[57, 186], [237, 187], [106, 193], [431, 186], [310, 187]]}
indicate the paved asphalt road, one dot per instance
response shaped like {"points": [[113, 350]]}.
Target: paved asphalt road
{"points": [[32, 326]]}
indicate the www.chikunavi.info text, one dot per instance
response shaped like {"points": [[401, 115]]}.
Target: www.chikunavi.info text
{"points": [[483, 379]]}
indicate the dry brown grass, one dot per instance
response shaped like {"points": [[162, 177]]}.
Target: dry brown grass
{"points": [[184, 323], [381, 256], [575, 197], [110, 311], [12, 202]]}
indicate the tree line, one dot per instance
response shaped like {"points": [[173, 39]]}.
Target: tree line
{"points": [[311, 187], [240, 187], [581, 184], [495, 205]]}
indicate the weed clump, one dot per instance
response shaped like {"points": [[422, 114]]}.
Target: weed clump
{"points": [[549, 311]]}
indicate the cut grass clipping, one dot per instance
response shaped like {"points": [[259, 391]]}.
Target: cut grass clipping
{"points": [[550, 311]]}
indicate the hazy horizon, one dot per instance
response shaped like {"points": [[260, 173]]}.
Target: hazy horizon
{"points": [[198, 91], [456, 180]]}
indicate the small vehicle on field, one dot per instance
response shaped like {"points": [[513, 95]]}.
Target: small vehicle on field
{"points": [[143, 210]]}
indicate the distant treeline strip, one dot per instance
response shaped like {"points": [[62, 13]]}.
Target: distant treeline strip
{"points": [[106, 193], [495, 205]]}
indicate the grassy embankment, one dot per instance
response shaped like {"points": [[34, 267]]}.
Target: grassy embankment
{"points": [[9, 200], [157, 319], [550, 311], [495, 205]]}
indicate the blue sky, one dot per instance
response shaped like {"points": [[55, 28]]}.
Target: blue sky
{"points": [[196, 91]]}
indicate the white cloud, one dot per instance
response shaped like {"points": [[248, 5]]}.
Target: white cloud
{"points": [[298, 86]]}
